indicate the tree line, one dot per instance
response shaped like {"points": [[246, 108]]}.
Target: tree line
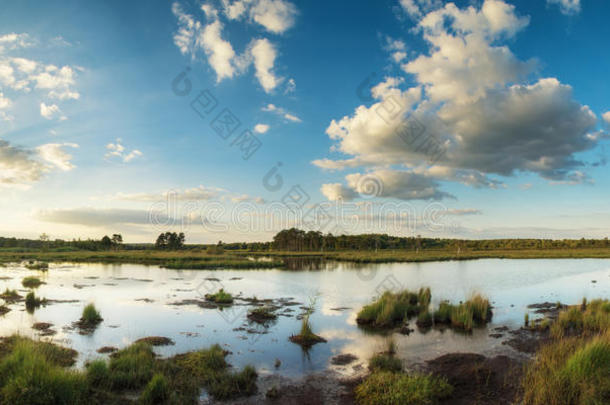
{"points": [[298, 240]]}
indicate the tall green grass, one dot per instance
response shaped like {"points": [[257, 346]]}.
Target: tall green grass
{"points": [[31, 374], [91, 316], [473, 312], [392, 309], [570, 371], [388, 388], [31, 282], [587, 319]]}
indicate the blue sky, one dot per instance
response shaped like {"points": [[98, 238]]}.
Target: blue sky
{"points": [[95, 140]]}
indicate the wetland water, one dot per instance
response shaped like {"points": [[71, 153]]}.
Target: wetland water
{"points": [[137, 301]]}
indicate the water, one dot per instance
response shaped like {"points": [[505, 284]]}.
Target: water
{"points": [[116, 289]]}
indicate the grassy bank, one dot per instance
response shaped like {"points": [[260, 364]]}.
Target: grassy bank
{"points": [[38, 373], [574, 368], [241, 259], [428, 255], [183, 259]]}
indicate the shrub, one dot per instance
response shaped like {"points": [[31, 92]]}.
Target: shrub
{"points": [[397, 389]]}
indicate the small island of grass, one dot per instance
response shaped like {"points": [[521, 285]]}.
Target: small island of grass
{"points": [[31, 282], [221, 297]]}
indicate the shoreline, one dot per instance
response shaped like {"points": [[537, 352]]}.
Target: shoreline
{"points": [[243, 260]]}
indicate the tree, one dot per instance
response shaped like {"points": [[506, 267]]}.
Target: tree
{"points": [[170, 240], [160, 243], [106, 242], [117, 239], [44, 239]]}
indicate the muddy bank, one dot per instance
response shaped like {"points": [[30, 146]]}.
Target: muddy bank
{"points": [[479, 379]]}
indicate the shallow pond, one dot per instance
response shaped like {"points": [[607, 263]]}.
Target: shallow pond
{"points": [[136, 301]]}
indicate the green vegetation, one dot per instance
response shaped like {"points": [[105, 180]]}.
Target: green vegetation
{"points": [[385, 362], [526, 320], [32, 301], [156, 341], [306, 338], [37, 373], [575, 367], [170, 241], [91, 316], [588, 319], [221, 297], [10, 295], [388, 388], [31, 282], [211, 370], [262, 314], [475, 311], [42, 266], [157, 391], [570, 371], [392, 309]]}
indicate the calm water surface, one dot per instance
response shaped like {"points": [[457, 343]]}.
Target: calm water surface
{"points": [[340, 290]]}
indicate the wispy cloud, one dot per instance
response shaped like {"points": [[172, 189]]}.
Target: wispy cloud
{"points": [[272, 108], [117, 150]]}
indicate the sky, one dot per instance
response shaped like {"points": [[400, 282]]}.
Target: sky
{"points": [[232, 119]]}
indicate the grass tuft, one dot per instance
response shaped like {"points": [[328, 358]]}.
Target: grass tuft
{"points": [[383, 387], [221, 297], [31, 282], [91, 316]]}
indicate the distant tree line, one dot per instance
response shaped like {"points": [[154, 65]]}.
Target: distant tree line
{"points": [[300, 241], [44, 242]]}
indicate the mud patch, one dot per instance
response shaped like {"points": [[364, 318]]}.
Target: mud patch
{"points": [[477, 379]]}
